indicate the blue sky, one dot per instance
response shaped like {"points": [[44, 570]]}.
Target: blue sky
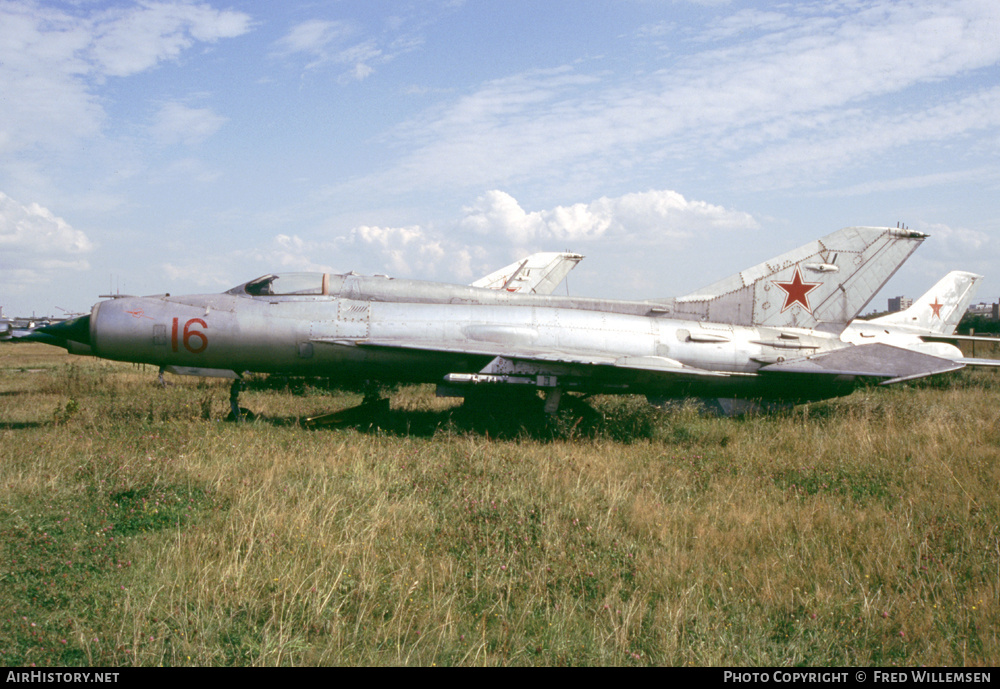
{"points": [[180, 147]]}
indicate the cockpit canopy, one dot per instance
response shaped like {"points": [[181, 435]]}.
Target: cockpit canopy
{"points": [[287, 284]]}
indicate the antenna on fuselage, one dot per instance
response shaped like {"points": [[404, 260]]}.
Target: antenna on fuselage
{"points": [[566, 279]]}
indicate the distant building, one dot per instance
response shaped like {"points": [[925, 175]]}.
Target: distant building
{"points": [[899, 304], [983, 310]]}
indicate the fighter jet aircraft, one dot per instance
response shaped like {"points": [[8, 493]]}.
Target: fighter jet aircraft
{"points": [[771, 332], [929, 324]]}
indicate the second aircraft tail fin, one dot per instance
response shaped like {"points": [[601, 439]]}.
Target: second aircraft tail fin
{"points": [[535, 274], [941, 308]]}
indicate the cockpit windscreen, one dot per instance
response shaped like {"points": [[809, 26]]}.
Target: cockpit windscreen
{"points": [[286, 284]]}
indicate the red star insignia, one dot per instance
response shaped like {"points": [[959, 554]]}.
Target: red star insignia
{"points": [[936, 307], [796, 291]]}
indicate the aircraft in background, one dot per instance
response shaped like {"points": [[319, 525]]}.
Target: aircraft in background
{"points": [[538, 273], [771, 332], [14, 328], [929, 324]]}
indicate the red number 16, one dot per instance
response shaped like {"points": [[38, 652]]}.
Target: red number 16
{"points": [[189, 334]]}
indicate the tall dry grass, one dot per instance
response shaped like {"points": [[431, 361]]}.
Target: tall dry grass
{"points": [[140, 529]]}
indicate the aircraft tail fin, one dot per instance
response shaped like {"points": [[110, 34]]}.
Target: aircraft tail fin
{"points": [[538, 273], [823, 284], [941, 308]]}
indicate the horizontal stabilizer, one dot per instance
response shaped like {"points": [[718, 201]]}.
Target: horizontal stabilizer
{"points": [[954, 339], [875, 360], [985, 363]]}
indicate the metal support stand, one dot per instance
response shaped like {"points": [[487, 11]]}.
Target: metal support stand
{"points": [[552, 399], [234, 399]]}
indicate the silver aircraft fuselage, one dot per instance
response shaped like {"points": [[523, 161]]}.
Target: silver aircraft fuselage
{"points": [[352, 334]]}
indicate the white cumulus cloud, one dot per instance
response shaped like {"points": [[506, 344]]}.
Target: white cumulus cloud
{"points": [[645, 216], [36, 245]]}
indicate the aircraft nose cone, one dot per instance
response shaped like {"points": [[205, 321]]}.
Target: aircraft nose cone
{"points": [[74, 330]]}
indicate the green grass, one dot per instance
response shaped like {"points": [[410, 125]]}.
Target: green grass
{"points": [[140, 529]]}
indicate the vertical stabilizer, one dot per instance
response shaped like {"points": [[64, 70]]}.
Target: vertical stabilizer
{"points": [[941, 308], [823, 284]]}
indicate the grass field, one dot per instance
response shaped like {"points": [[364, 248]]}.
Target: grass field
{"points": [[137, 528]]}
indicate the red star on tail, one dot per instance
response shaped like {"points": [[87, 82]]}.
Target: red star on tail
{"points": [[936, 307], [796, 291]]}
